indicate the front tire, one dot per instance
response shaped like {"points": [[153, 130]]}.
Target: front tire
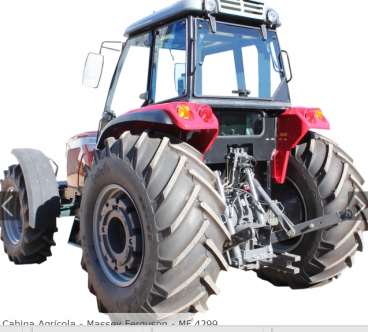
{"points": [[169, 195], [328, 182], [23, 244]]}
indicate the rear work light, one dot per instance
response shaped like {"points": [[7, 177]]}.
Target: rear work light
{"points": [[210, 6]]}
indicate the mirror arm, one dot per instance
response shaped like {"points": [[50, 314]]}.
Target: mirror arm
{"points": [[288, 80], [264, 32], [104, 47], [213, 23]]}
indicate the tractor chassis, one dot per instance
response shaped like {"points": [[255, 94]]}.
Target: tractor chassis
{"points": [[260, 231]]}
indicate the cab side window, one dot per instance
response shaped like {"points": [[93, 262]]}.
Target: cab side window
{"points": [[169, 65], [131, 87]]}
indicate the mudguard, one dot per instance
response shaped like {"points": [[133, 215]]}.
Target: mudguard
{"points": [[293, 125], [200, 131], [41, 185]]}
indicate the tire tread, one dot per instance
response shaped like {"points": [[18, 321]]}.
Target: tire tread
{"points": [[186, 275], [337, 245]]}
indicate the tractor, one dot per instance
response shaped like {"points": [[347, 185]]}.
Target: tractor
{"points": [[199, 164]]}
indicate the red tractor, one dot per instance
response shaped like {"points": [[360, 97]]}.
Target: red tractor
{"points": [[212, 169]]}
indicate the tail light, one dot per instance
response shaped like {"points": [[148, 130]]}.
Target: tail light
{"points": [[205, 113], [185, 112], [314, 115]]}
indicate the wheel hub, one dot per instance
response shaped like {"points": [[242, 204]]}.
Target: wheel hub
{"points": [[118, 236], [13, 222], [291, 198]]}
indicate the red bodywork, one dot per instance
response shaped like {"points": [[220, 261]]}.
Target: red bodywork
{"points": [[203, 124], [293, 125], [201, 129]]}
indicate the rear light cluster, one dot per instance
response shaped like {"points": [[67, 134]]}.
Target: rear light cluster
{"points": [[204, 111], [314, 115], [185, 112]]}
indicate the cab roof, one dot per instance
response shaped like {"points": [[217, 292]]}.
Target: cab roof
{"points": [[247, 9]]}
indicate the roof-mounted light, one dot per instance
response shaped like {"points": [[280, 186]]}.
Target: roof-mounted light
{"points": [[210, 6], [273, 18]]}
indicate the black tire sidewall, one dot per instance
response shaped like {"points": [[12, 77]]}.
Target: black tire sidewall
{"points": [[326, 175], [112, 170], [308, 188]]}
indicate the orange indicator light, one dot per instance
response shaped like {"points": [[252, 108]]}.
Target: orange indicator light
{"points": [[185, 112]]}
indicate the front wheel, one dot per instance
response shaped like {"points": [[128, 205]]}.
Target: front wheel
{"points": [[321, 180], [22, 243], [151, 230]]}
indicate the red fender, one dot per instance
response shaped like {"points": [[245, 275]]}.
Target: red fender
{"points": [[293, 125], [191, 122], [195, 123], [198, 119]]}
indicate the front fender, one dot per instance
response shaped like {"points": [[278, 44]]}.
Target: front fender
{"points": [[41, 186], [198, 131], [293, 125]]}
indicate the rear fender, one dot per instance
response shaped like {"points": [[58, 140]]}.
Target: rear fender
{"points": [[200, 131], [293, 125]]}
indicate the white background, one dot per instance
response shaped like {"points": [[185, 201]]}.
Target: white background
{"points": [[43, 45]]}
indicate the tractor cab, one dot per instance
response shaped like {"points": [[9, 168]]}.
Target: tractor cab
{"points": [[181, 47], [221, 53], [215, 52]]}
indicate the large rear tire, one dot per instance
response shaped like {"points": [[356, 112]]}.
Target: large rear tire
{"points": [[165, 202], [23, 244], [327, 182]]}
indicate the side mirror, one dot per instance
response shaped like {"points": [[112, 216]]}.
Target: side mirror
{"points": [[93, 70], [180, 78], [285, 59]]}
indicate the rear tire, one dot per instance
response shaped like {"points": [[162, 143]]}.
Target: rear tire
{"points": [[172, 193], [328, 182], [23, 244]]}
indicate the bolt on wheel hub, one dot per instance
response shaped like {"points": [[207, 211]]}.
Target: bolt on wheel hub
{"points": [[118, 236]]}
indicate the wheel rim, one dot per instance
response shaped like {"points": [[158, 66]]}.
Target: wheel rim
{"points": [[290, 196], [13, 222], [118, 236]]}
